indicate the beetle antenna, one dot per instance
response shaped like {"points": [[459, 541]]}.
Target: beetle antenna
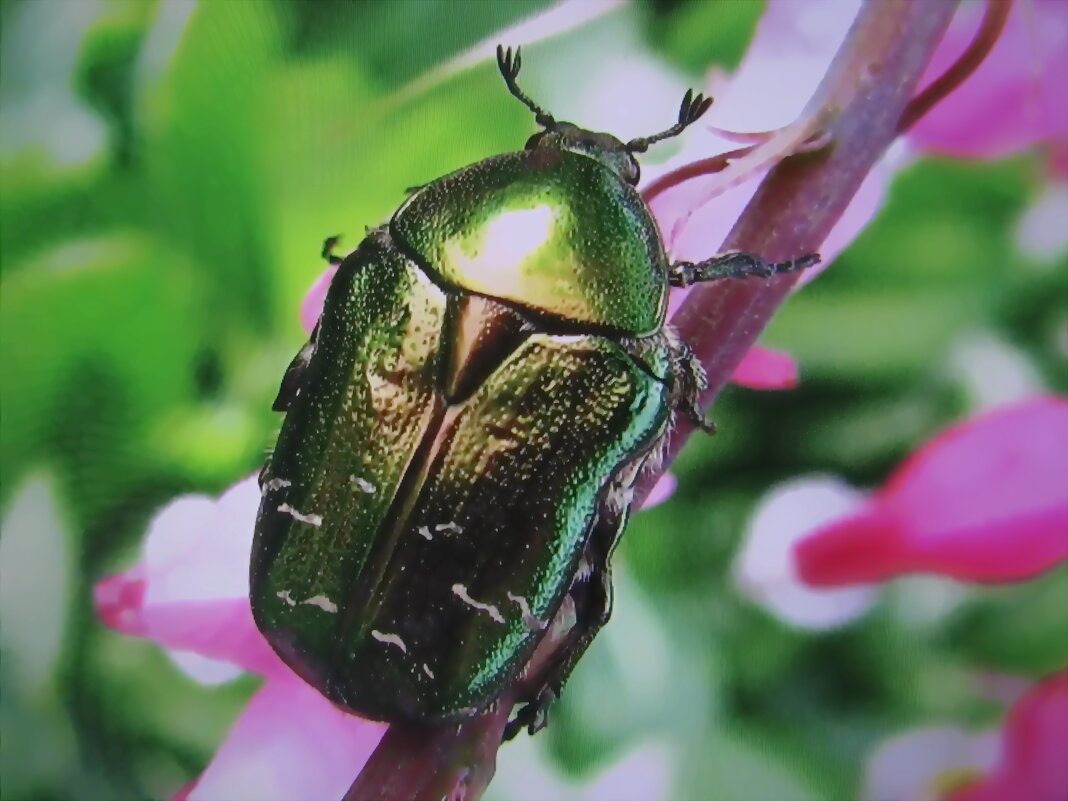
{"points": [[509, 66], [689, 112]]}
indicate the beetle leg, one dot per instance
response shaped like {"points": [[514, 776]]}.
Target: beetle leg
{"points": [[593, 607], [733, 265], [691, 382], [591, 594], [328, 250]]}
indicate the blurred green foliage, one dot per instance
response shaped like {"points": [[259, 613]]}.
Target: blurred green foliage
{"points": [[167, 178]]}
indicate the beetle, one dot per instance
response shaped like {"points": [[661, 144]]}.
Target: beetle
{"points": [[490, 376]]}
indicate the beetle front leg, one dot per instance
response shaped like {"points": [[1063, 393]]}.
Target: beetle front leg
{"points": [[691, 382], [328, 250], [733, 265]]}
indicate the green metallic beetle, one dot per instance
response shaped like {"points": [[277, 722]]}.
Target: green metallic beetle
{"points": [[489, 377]]}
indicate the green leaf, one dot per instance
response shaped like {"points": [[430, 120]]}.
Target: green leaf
{"points": [[1018, 629], [97, 338]]}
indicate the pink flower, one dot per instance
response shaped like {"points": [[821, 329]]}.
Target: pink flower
{"points": [[925, 764], [1022, 760], [763, 368], [987, 500], [1015, 99], [312, 305], [764, 568], [189, 593], [1033, 744]]}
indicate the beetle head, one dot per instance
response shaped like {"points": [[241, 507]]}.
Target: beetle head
{"points": [[601, 146], [613, 153]]}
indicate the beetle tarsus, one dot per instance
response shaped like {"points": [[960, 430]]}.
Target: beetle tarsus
{"points": [[706, 424], [509, 64], [734, 265], [532, 716], [329, 244], [692, 382], [692, 108]]}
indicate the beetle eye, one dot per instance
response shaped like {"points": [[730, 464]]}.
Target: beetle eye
{"points": [[535, 140]]}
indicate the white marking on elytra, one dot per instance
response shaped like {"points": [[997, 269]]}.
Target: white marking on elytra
{"points": [[285, 596], [389, 639], [529, 620], [277, 484], [363, 485], [424, 531], [427, 670], [460, 591], [448, 528], [311, 520], [322, 602]]}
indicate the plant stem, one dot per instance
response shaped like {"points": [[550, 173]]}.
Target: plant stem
{"points": [[860, 103]]}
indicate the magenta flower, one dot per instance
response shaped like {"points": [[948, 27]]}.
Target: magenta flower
{"points": [[1022, 760], [765, 570], [189, 593], [1033, 742], [987, 500], [1015, 99]]}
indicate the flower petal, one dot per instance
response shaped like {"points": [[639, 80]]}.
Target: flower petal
{"points": [[663, 489], [791, 50], [1015, 98], [764, 570], [985, 501], [190, 593], [290, 744], [915, 764], [197, 548], [1040, 231], [763, 368], [1034, 741], [862, 209], [311, 308]]}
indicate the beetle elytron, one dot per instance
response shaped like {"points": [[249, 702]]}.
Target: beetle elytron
{"points": [[488, 379]]}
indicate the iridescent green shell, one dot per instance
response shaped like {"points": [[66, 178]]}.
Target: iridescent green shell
{"points": [[437, 476], [550, 230]]}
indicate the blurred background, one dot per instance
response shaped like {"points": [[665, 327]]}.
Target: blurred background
{"points": [[169, 171]]}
